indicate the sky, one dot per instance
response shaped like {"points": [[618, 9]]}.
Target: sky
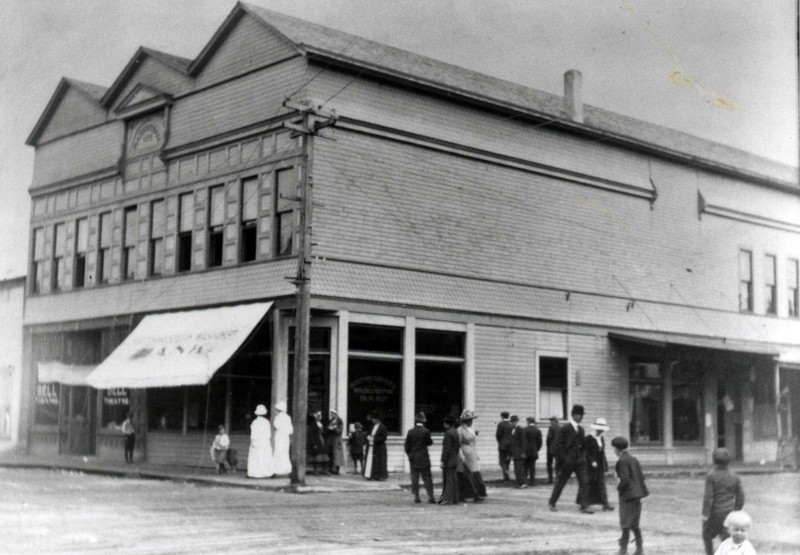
{"points": [[724, 70]]}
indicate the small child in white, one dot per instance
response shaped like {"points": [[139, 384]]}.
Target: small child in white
{"points": [[738, 524]]}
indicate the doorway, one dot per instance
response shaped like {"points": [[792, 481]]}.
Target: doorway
{"points": [[319, 369], [729, 419], [78, 420]]}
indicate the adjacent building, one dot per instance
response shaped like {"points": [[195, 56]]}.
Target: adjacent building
{"points": [[12, 294], [477, 244]]}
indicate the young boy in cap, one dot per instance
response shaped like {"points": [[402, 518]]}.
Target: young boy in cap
{"points": [[569, 449], [632, 489], [723, 494], [533, 442], [417, 441]]}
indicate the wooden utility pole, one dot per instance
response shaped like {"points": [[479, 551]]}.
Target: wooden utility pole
{"points": [[311, 120]]}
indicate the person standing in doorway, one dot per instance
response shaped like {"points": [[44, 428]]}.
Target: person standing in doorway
{"points": [[570, 451], [259, 459], [376, 465], [333, 442], [282, 422], [551, 437], [129, 434], [533, 442], [417, 441], [503, 436]]}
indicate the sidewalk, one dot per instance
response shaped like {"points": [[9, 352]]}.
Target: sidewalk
{"points": [[314, 484]]}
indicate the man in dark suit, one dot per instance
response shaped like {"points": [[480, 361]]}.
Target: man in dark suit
{"points": [[533, 442], [503, 436], [570, 453], [551, 437], [518, 449], [417, 441], [450, 447]]}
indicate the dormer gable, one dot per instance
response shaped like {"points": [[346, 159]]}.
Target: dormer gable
{"points": [[162, 72], [75, 105], [243, 42], [141, 99]]}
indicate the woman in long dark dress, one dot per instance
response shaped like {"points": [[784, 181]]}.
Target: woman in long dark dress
{"points": [[450, 446], [316, 452], [375, 467]]}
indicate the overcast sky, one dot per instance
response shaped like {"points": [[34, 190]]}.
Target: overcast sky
{"points": [[725, 70]]}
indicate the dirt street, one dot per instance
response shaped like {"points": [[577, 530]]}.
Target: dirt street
{"points": [[61, 512]]}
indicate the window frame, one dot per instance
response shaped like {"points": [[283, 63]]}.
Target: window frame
{"points": [[57, 276], [461, 361], [793, 287], [284, 212], [662, 399], [79, 266], [38, 260], [155, 262], [770, 284], [183, 243], [748, 282], [215, 245], [104, 243], [567, 400], [127, 272], [248, 228]]}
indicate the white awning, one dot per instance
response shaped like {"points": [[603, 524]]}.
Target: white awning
{"points": [[54, 371], [178, 348]]}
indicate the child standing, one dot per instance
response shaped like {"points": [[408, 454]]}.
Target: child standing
{"points": [[356, 440], [723, 494], [632, 489], [738, 524]]}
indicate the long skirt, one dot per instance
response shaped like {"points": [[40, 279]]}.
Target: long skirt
{"points": [[282, 464], [259, 462], [375, 466], [470, 484], [596, 493], [449, 487]]}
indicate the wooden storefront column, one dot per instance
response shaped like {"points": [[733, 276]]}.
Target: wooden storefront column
{"points": [[409, 380], [280, 378], [777, 378], [666, 370], [342, 347], [469, 368], [710, 414]]}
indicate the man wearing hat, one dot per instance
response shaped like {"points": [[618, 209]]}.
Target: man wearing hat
{"points": [[503, 436], [570, 452], [518, 449], [551, 436], [417, 441], [597, 465], [533, 442]]}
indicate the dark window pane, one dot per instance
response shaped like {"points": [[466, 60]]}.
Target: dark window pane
{"points": [[80, 270], [206, 409], [248, 243], [185, 252], [379, 339], [553, 372], [251, 385], [215, 248], [48, 396], [440, 343], [646, 413], [374, 385], [645, 370], [116, 404], [165, 408], [319, 339], [439, 390]]}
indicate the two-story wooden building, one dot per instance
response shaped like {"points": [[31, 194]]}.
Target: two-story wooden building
{"points": [[477, 244]]}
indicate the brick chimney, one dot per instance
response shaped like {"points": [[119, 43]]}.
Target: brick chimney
{"points": [[573, 95]]}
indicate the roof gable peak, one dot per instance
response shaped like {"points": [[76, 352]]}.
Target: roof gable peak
{"points": [[91, 92], [175, 63]]}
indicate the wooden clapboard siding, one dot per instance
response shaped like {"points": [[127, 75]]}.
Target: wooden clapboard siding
{"points": [[192, 449], [75, 112]]}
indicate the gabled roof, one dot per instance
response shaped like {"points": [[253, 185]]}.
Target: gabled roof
{"points": [[174, 62], [142, 98], [93, 93], [370, 57]]}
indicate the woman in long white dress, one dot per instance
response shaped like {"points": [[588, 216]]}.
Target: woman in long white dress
{"points": [[283, 434], [259, 460]]}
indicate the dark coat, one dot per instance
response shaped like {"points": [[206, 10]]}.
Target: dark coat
{"points": [[631, 480], [723, 493], [533, 442], [503, 434], [596, 454], [417, 441], [450, 447], [551, 436], [569, 445], [518, 443], [379, 468]]}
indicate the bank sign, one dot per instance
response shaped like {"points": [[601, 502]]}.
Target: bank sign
{"points": [[179, 348]]}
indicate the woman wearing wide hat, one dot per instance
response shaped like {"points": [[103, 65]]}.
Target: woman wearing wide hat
{"points": [[469, 469], [597, 466]]}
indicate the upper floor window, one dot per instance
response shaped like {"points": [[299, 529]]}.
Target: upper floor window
{"points": [[59, 247], [249, 219], [745, 281], [770, 288], [792, 287], [81, 246], [129, 244], [216, 219], [185, 224], [104, 248], [38, 266], [284, 214], [157, 230]]}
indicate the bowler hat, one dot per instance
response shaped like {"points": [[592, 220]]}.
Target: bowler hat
{"points": [[420, 417], [531, 420], [261, 410], [514, 418], [577, 409], [600, 424]]}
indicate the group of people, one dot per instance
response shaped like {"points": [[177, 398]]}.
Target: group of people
{"points": [[269, 453], [519, 443]]}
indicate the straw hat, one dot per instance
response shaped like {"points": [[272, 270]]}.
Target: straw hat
{"points": [[468, 415], [600, 424], [281, 406], [261, 410]]}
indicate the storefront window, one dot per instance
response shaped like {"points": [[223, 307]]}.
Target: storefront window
{"points": [[375, 374], [165, 408], [645, 401], [439, 381], [687, 401], [116, 405], [205, 405], [251, 385]]}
